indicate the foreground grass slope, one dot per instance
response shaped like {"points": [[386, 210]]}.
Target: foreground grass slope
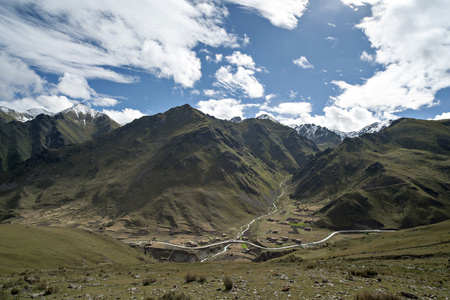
{"points": [[397, 178], [31, 247]]}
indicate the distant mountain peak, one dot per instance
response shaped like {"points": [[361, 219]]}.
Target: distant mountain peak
{"points": [[318, 134], [236, 120], [23, 116]]}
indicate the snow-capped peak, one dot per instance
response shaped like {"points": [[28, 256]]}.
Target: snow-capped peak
{"points": [[81, 109], [267, 117], [24, 116]]}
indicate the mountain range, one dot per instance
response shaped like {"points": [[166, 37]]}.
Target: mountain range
{"points": [[23, 135], [396, 178], [186, 172], [180, 171]]}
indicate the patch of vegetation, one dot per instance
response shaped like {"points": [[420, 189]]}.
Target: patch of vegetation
{"points": [[149, 280], [190, 277], [366, 273], [175, 296], [228, 282], [31, 247], [375, 296]]}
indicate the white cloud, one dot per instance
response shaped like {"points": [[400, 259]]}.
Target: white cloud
{"points": [[240, 59], [292, 94], [331, 24], [241, 79], [77, 87], [281, 13], [123, 116], [51, 103], [104, 101], [224, 108], [16, 78], [302, 62], [86, 37], [411, 39], [366, 57], [443, 116], [292, 108], [333, 118], [74, 86], [210, 93], [219, 58]]}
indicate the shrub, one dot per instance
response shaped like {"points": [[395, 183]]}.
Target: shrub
{"points": [[372, 296], [190, 277], [363, 273], [202, 278], [15, 290], [175, 296], [149, 280], [228, 283], [53, 289]]}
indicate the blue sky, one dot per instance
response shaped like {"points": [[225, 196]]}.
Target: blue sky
{"points": [[342, 64]]}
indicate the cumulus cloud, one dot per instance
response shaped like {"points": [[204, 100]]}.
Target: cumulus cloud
{"points": [[289, 108], [104, 101], [240, 59], [302, 62], [443, 116], [74, 86], [17, 79], [242, 79], [51, 103], [87, 38], [123, 116], [224, 108], [366, 57], [412, 41], [333, 117], [281, 13], [77, 87]]}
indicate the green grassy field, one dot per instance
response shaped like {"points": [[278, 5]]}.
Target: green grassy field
{"points": [[30, 247]]}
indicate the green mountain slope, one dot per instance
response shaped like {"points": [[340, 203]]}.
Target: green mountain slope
{"points": [[21, 140], [180, 171], [30, 247], [396, 178]]}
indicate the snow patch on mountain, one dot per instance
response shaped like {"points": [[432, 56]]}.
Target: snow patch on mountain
{"points": [[236, 120], [267, 117], [81, 109]]}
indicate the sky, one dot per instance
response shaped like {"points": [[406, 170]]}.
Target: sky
{"points": [[342, 64]]}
